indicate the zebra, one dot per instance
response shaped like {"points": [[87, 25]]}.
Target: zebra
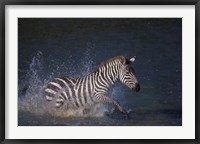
{"points": [[94, 87]]}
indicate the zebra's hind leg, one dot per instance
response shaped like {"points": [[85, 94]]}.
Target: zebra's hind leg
{"points": [[59, 102], [106, 99]]}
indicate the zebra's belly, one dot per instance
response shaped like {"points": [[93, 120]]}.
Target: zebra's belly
{"points": [[71, 105], [81, 101]]}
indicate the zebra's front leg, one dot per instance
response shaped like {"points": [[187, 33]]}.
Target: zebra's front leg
{"points": [[113, 109], [106, 99]]}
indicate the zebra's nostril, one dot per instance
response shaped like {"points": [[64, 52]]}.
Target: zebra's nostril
{"points": [[137, 87]]}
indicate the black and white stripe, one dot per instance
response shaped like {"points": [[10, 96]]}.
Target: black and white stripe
{"points": [[93, 88]]}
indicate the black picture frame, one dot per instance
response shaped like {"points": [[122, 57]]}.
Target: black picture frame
{"points": [[3, 4]]}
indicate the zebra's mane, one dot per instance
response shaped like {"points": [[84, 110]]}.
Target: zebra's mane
{"points": [[113, 60]]}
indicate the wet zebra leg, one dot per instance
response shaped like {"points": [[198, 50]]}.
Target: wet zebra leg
{"points": [[121, 109], [113, 109], [106, 99], [59, 102]]}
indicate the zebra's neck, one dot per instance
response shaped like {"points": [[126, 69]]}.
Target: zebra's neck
{"points": [[108, 75]]}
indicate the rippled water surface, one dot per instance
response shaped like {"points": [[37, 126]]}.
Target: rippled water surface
{"points": [[50, 48]]}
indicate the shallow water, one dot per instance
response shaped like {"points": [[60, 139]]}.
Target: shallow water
{"points": [[73, 47]]}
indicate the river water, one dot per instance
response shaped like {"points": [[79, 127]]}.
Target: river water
{"points": [[49, 48]]}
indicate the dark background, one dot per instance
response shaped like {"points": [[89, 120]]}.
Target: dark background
{"points": [[49, 48]]}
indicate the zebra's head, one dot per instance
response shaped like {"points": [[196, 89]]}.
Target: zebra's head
{"points": [[127, 74]]}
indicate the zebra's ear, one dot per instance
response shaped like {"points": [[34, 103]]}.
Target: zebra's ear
{"points": [[133, 59]]}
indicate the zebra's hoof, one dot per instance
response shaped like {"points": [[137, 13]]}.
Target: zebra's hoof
{"points": [[129, 111], [127, 116]]}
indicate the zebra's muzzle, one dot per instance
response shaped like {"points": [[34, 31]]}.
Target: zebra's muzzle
{"points": [[137, 87]]}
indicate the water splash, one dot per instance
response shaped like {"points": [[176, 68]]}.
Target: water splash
{"points": [[87, 62], [33, 99]]}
